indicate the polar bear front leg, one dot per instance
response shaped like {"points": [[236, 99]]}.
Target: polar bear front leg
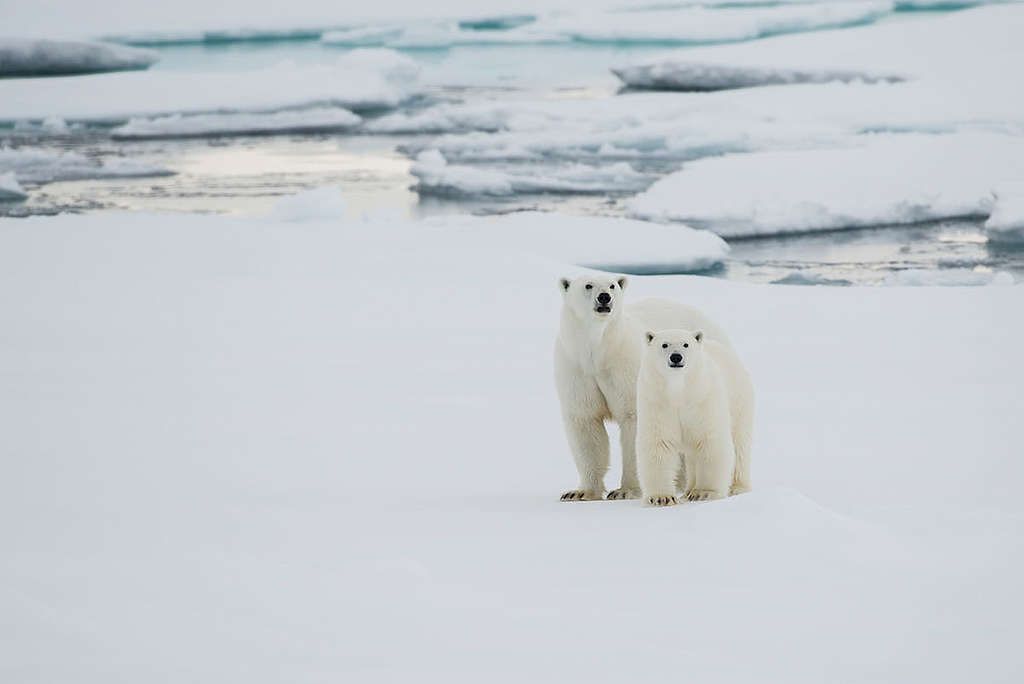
{"points": [[588, 440], [712, 463], [658, 464], [630, 487]]}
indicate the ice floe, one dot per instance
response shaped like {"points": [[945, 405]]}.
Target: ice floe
{"points": [[1006, 223], [9, 187], [601, 242], [665, 25], [36, 165], [884, 51], [949, 277], [310, 205], [314, 120], [887, 179], [41, 57], [357, 80], [437, 177], [195, 400]]}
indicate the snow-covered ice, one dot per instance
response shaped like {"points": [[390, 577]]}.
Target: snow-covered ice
{"points": [[10, 189], [602, 242], [712, 25], [689, 75], [436, 177], [37, 165], [357, 80], [41, 57], [310, 205], [668, 25], [314, 120], [1006, 223], [887, 179], [948, 277], [240, 450], [883, 51]]}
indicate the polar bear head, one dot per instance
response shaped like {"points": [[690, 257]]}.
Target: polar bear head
{"points": [[674, 351], [593, 297]]}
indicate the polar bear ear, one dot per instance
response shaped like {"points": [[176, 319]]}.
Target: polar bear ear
{"points": [[650, 337], [563, 284], [699, 335], [622, 282]]}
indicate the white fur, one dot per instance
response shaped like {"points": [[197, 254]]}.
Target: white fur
{"points": [[695, 419], [597, 358]]}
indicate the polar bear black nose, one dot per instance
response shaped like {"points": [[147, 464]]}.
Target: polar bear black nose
{"points": [[604, 298], [676, 357]]}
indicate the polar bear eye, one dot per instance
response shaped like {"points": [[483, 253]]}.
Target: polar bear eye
{"points": [[685, 345], [589, 286], [611, 287], [665, 346]]}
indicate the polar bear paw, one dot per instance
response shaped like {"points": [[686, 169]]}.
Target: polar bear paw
{"points": [[581, 495], [623, 493], [662, 500], [702, 494], [738, 489]]}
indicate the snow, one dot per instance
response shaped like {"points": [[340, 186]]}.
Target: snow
{"points": [[948, 277], [601, 242], [436, 177], [316, 119], [358, 80], [241, 450], [676, 25], [9, 187], [37, 165], [884, 51], [713, 25], [320, 203], [1006, 223], [888, 179], [38, 57]]}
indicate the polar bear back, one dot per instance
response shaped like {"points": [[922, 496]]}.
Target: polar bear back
{"points": [[664, 314], [736, 380]]}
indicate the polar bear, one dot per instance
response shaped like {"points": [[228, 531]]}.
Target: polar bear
{"points": [[695, 419], [597, 357]]}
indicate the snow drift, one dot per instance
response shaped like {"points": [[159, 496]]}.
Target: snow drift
{"points": [[37, 57]]}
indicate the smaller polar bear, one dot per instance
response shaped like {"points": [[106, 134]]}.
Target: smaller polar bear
{"points": [[695, 418], [598, 351]]}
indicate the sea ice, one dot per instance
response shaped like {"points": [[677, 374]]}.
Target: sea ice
{"points": [[9, 187], [883, 51], [38, 57], [258, 451], [314, 120], [886, 179], [1006, 223], [36, 165], [310, 205], [358, 80], [435, 176]]}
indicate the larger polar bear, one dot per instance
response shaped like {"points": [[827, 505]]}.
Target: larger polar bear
{"points": [[695, 418], [597, 357]]}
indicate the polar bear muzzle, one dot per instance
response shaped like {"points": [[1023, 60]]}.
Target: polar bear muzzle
{"points": [[675, 360]]}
